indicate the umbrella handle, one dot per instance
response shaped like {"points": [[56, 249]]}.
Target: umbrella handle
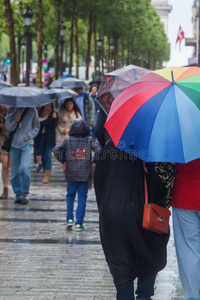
{"points": [[54, 108]]}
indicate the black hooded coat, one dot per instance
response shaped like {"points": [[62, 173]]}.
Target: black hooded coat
{"points": [[130, 250]]}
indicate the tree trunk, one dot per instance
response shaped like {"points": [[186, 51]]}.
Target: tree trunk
{"points": [[102, 52], [10, 27], [131, 53], [108, 55], [19, 39], [89, 34], [116, 59], [128, 55], [76, 42], [71, 44], [122, 56], [56, 57], [40, 39], [95, 48]]}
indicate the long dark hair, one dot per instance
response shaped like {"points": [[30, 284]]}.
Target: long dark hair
{"points": [[41, 110], [76, 107]]}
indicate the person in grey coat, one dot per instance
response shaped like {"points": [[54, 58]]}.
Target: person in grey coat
{"points": [[76, 150], [20, 152]]}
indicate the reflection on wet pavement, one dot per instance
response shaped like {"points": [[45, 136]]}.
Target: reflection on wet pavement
{"points": [[40, 259]]}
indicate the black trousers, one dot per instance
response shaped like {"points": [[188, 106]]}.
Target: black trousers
{"points": [[144, 291]]}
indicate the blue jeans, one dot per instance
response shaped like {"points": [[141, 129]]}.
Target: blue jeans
{"points": [[186, 225], [46, 154], [144, 291], [82, 188], [20, 169]]}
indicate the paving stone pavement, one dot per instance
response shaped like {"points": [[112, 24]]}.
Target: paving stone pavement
{"points": [[40, 259]]}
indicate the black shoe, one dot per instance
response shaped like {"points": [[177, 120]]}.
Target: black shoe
{"points": [[18, 199], [24, 200], [39, 168]]}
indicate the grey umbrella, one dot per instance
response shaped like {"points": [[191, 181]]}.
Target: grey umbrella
{"points": [[23, 97], [68, 83], [4, 84], [57, 94]]}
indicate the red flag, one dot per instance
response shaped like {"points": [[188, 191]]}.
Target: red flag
{"points": [[181, 35]]}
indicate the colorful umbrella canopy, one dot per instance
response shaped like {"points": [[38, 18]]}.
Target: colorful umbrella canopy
{"points": [[158, 118], [117, 81]]}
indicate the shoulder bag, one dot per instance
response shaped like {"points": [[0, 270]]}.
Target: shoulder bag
{"points": [[155, 217], [8, 140]]}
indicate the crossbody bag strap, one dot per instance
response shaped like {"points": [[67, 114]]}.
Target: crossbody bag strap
{"points": [[145, 185], [22, 116]]}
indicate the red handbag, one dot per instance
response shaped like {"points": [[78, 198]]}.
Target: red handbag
{"points": [[155, 217]]}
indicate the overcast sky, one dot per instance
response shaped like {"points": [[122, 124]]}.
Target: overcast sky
{"points": [[181, 14]]}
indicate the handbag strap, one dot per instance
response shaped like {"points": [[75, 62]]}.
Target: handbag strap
{"points": [[145, 186], [22, 115]]}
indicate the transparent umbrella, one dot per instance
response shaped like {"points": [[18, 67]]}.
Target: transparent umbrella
{"points": [[68, 83]]}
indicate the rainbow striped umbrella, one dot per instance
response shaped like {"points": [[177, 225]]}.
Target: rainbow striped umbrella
{"points": [[158, 117]]}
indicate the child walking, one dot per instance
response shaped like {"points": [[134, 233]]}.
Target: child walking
{"points": [[76, 150]]}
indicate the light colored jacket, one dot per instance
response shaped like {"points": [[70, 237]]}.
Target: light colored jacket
{"points": [[65, 121], [28, 128]]}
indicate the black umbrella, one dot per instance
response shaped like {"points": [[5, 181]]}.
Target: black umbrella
{"points": [[4, 84], [68, 83], [23, 97], [57, 94]]}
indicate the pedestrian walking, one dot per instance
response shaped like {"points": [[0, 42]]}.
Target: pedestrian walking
{"points": [[4, 155], [76, 150], [46, 138], [131, 251], [68, 112], [85, 104], [186, 226], [95, 107], [20, 154]]}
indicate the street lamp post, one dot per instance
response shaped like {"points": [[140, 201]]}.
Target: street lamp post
{"points": [[112, 47], [23, 46], [62, 34], [99, 45], [27, 18], [45, 50]]}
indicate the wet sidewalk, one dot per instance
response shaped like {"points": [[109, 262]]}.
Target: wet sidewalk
{"points": [[40, 259]]}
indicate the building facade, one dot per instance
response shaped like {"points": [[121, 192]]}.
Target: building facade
{"points": [[163, 9], [192, 41]]}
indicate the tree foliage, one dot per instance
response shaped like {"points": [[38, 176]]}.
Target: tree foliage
{"points": [[132, 25]]}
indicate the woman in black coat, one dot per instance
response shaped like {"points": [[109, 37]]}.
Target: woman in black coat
{"points": [[46, 138], [131, 251]]}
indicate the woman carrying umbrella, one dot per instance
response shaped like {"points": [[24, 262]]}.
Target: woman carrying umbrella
{"points": [[46, 138], [4, 156], [156, 119], [131, 251]]}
